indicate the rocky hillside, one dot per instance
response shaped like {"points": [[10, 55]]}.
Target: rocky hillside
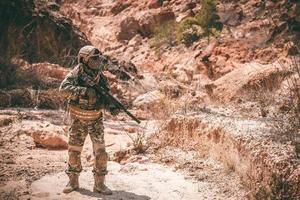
{"points": [[250, 32], [217, 84]]}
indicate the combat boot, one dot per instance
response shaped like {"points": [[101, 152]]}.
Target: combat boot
{"points": [[100, 187], [73, 183]]}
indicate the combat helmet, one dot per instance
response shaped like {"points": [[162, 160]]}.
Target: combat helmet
{"points": [[86, 52]]}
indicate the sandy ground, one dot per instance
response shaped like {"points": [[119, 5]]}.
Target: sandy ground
{"points": [[139, 181], [30, 172]]}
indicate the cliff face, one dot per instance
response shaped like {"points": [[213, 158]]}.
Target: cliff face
{"points": [[36, 32]]}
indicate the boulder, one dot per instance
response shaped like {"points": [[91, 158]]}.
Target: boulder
{"points": [[164, 16], [136, 41], [155, 4], [39, 75], [185, 70], [50, 140], [170, 88], [49, 99], [119, 6], [245, 79], [148, 81], [44, 99], [45, 134], [44, 70], [151, 19], [147, 23], [231, 15], [129, 27], [149, 99], [181, 75]]}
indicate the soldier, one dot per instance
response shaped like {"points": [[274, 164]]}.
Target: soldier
{"points": [[85, 108]]}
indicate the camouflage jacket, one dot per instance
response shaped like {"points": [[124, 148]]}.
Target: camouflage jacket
{"points": [[76, 88]]}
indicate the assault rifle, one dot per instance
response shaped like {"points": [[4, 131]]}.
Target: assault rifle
{"points": [[105, 92]]}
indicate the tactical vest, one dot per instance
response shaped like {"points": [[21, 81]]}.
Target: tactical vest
{"points": [[88, 108]]}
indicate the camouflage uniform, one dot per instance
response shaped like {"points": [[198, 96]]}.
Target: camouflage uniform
{"points": [[80, 128], [86, 103]]}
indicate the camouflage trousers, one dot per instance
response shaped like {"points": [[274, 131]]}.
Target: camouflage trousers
{"points": [[77, 134]]}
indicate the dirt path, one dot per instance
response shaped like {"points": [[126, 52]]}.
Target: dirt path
{"points": [[138, 177], [131, 181], [137, 180], [144, 177]]}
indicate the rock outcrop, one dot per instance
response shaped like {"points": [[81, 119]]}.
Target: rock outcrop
{"points": [[246, 79], [45, 134], [129, 28], [149, 99], [28, 98], [143, 23], [37, 32], [119, 6]]}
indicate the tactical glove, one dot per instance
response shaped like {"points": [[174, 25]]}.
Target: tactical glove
{"points": [[114, 110], [90, 93], [88, 98]]}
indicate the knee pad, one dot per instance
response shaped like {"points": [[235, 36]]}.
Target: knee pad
{"points": [[101, 155], [74, 159], [100, 165]]}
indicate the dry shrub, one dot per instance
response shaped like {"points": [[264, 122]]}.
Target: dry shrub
{"points": [[164, 35], [288, 115], [283, 106], [139, 140], [161, 111], [264, 91], [188, 31]]}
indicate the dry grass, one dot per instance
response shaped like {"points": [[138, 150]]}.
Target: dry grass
{"points": [[139, 140], [163, 109], [289, 110], [281, 102]]}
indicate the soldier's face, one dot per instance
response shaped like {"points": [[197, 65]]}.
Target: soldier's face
{"points": [[94, 62]]}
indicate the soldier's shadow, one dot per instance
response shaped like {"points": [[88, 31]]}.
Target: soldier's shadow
{"points": [[117, 194]]}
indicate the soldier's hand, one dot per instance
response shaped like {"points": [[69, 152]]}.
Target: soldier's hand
{"points": [[114, 111], [90, 92]]}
